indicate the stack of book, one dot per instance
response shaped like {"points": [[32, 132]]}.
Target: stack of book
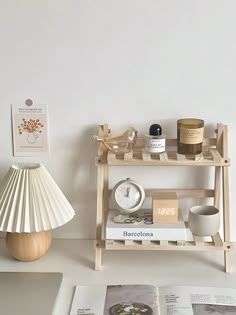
{"points": [[145, 229]]}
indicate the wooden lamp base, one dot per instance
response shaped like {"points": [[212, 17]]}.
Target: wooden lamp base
{"points": [[28, 246]]}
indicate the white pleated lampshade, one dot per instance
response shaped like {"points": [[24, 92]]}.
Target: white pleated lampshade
{"points": [[31, 201]]}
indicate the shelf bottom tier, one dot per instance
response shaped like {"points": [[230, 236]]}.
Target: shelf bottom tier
{"points": [[198, 243]]}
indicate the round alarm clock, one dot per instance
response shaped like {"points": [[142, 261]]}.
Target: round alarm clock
{"points": [[127, 196]]}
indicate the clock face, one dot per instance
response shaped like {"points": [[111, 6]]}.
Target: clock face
{"points": [[128, 196]]}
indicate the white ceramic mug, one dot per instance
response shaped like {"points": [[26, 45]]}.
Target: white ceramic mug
{"points": [[204, 220]]}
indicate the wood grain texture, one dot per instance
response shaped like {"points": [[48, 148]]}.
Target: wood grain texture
{"points": [[28, 246]]}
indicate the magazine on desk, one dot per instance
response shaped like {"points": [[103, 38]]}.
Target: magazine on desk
{"points": [[151, 300]]}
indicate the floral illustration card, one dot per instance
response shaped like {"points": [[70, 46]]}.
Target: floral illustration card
{"points": [[30, 129]]}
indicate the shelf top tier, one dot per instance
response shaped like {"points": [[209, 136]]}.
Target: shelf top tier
{"points": [[214, 152]]}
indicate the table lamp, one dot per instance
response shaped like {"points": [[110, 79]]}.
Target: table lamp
{"points": [[31, 204]]}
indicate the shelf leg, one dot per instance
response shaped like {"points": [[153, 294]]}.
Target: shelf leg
{"points": [[217, 186], [227, 254], [102, 204], [99, 219], [227, 260], [98, 258]]}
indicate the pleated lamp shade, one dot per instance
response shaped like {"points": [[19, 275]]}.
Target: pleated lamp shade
{"points": [[31, 201]]}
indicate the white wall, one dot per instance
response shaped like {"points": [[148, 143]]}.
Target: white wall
{"points": [[125, 62]]}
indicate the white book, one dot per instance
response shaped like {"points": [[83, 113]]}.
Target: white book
{"points": [[143, 231]]}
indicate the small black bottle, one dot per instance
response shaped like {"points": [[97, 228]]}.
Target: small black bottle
{"points": [[155, 142]]}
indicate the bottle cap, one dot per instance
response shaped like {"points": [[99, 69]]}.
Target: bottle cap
{"points": [[155, 130]]}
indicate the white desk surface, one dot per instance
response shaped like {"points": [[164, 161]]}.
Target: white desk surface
{"points": [[75, 259]]}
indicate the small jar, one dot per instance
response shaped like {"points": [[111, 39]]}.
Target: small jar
{"points": [[155, 142], [190, 136]]}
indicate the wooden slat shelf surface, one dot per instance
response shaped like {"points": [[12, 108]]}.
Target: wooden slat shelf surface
{"points": [[198, 243], [169, 158], [210, 156]]}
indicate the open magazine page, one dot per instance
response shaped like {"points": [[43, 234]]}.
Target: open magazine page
{"points": [[197, 301], [115, 300], [88, 300]]}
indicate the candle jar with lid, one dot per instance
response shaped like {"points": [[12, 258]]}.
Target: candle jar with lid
{"points": [[190, 136], [155, 142]]}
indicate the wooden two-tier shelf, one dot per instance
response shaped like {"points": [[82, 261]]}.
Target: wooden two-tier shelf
{"points": [[214, 154]]}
